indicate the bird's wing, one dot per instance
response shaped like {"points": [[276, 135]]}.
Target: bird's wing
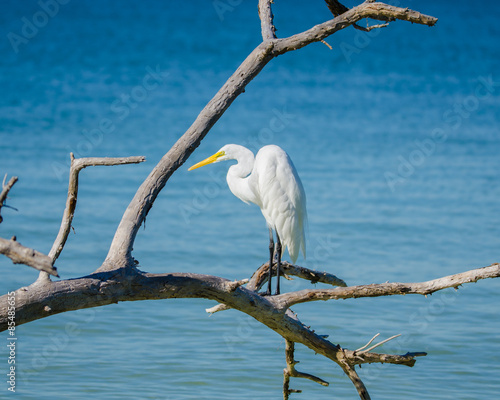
{"points": [[282, 197]]}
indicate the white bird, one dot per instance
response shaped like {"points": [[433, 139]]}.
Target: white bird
{"points": [[270, 181]]}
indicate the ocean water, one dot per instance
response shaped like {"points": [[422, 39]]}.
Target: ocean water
{"points": [[395, 134]]}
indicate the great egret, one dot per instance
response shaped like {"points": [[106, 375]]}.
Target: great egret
{"points": [[269, 180]]}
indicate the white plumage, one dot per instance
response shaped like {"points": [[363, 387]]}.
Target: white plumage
{"points": [[269, 180]]}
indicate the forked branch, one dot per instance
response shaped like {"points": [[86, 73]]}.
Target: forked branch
{"points": [[77, 164], [290, 371], [259, 278]]}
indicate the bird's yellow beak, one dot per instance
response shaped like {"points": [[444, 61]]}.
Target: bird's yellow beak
{"points": [[208, 160]]}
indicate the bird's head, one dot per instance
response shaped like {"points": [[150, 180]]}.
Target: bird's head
{"points": [[221, 155]]}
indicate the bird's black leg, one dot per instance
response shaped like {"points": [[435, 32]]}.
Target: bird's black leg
{"points": [[278, 262], [271, 254]]}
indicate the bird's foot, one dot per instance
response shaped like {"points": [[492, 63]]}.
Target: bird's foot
{"points": [[266, 293]]}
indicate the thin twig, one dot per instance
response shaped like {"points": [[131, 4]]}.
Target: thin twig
{"points": [[5, 191], [378, 344], [369, 342], [326, 44], [371, 27], [290, 371]]}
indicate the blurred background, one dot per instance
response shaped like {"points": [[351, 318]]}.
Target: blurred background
{"points": [[395, 134]]}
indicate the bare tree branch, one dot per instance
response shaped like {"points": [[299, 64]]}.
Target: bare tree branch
{"points": [[290, 371], [407, 359], [259, 278], [48, 298], [366, 10], [266, 20], [371, 27], [24, 255], [130, 285], [5, 191], [77, 164], [355, 379], [388, 289]]}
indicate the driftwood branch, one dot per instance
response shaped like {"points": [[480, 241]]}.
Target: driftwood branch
{"points": [[366, 10], [49, 298], [108, 287], [24, 255], [290, 372], [389, 289], [355, 379], [77, 164], [5, 191], [260, 277], [125, 284]]}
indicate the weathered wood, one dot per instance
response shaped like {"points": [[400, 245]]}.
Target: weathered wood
{"points": [[389, 289], [77, 164], [20, 254]]}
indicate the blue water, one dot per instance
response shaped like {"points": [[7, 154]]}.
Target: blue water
{"points": [[395, 134]]}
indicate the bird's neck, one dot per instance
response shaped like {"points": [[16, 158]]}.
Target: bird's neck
{"points": [[244, 166], [238, 177]]}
